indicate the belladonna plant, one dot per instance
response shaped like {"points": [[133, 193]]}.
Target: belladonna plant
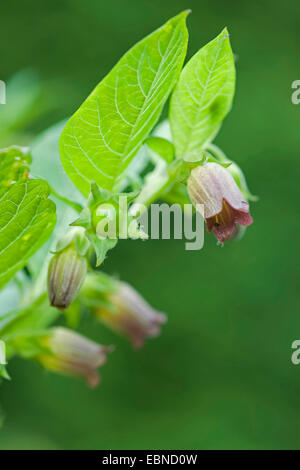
{"points": [[53, 234]]}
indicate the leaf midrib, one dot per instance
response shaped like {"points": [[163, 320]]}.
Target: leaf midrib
{"points": [[163, 60]]}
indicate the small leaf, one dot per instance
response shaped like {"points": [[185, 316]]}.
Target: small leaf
{"points": [[161, 147], [103, 136], [27, 219], [14, 166], [202, 97]]}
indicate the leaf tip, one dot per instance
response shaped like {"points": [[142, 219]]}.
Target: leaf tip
{"points": [[181, 16], [185, 13], [224, 33]]}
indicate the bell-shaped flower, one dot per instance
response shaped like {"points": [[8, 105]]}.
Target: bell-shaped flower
{"points": [[212, 186], [72, 354], [129, 314]]}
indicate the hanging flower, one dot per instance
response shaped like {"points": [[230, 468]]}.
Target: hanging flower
{"points": [[213, 186], [72, 354], [129, 314]]}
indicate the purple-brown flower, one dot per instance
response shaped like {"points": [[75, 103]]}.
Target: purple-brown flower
{"points": [[131, 315], [73, 354], [214, 187]]}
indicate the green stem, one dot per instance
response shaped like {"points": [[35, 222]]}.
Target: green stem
{"points": [[148, 196], [218, 153]]}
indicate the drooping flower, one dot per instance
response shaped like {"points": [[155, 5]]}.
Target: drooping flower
{"points": [[66, 274], [224, 207], [129, 314], [72, 354]]}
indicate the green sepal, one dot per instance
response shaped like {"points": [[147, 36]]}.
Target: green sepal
{"points": [[96, 197], [84, 220], [101, 246], [76, 236]]}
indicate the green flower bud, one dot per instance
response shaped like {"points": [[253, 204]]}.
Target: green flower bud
{"points": [[67, 271]]}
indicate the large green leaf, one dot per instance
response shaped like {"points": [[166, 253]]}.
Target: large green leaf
{"points": [[14, 166], [202, 97], [27, 219], [102, 137]]}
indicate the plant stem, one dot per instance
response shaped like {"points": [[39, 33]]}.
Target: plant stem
{"points": [[218, 153]]}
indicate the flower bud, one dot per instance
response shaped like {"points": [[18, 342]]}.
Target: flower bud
{"points": [[214, 187], [130, 315], [67, 271], [73, 354]]}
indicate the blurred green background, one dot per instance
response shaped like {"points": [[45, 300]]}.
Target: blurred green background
{"points": [[220, 375]]}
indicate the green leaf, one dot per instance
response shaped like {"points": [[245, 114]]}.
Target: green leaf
{"points": [[14, 166], [103, 136], [161, 147], [8, 318], [38, 316], [202, 97], [27, 219], [20, 329]]}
